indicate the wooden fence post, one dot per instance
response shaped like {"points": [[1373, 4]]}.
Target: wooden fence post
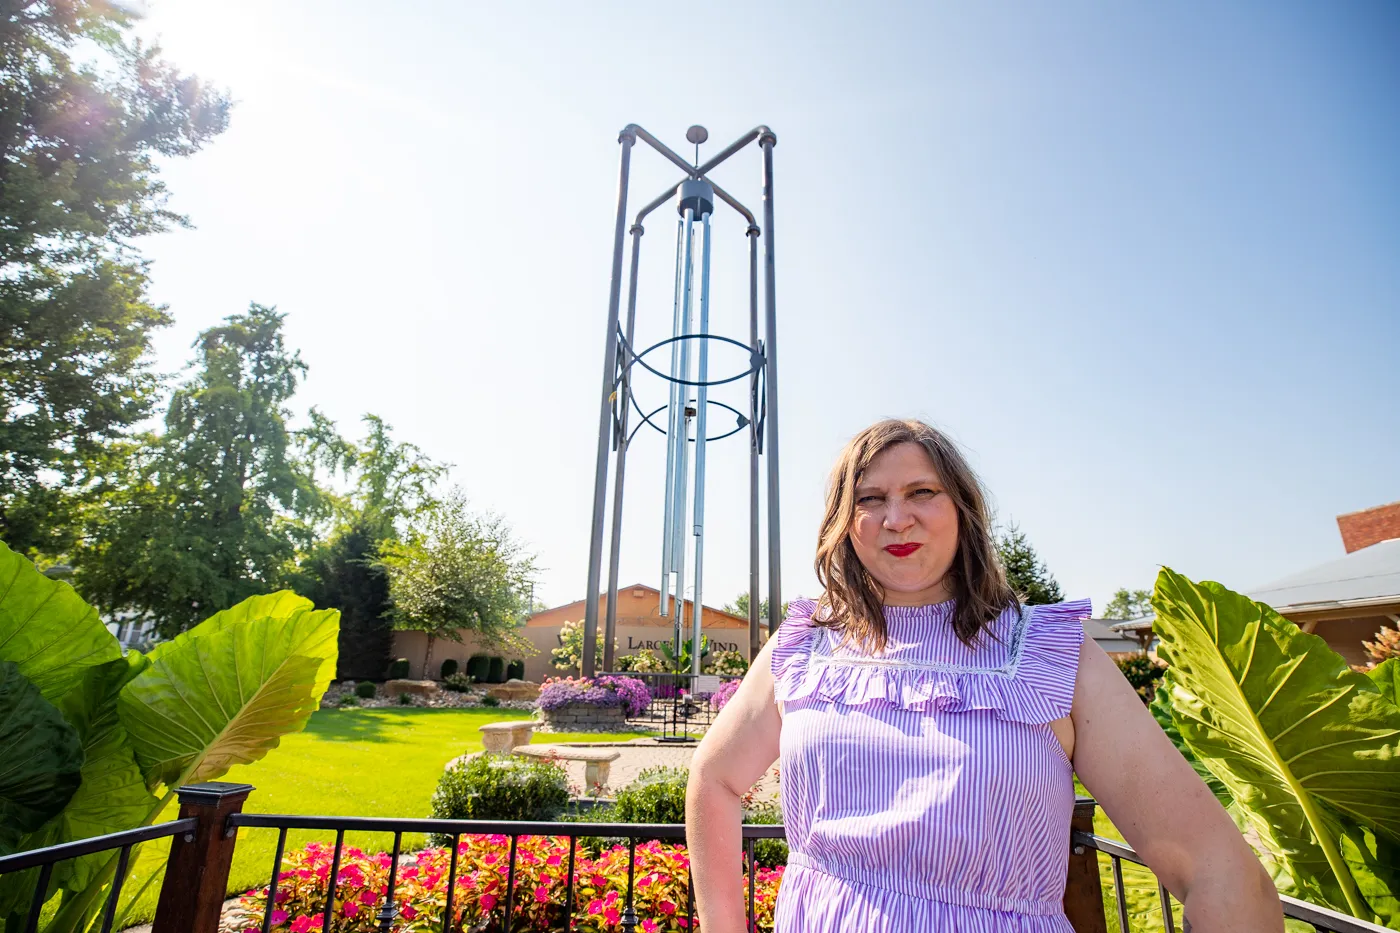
{"points": [[196, 874], [1083, 894]]}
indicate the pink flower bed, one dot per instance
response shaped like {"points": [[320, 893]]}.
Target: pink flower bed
{"points": [[600, 889]]}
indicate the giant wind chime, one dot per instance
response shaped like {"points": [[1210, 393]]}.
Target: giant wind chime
{"points": [[685, 418]]}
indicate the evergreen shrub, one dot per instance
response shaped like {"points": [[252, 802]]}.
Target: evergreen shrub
{"points": [[496, 672], [449, 667], [365, 690], [399, 669], [488, 787], [478, 666], [515, 670]]}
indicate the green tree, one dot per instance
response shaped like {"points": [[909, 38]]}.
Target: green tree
{"points": [[740, 607], [460, 572], [1025, 571], [570, 651], [215, 510], [1129, 604], [392, 486], [80, 143]]}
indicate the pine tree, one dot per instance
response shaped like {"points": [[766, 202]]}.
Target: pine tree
{"points": [[1025, 571]]}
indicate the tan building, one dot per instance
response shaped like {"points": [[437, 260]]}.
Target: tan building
{"points": [[1344, 601], [1348, 600], [639, 627]]}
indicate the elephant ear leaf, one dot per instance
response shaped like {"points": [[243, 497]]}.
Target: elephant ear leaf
{"points": [[42, 765], [280, 605], [1386, 677], [1305, 746], [226, 696], [47, 629], [1161, 709], [112, 796]]}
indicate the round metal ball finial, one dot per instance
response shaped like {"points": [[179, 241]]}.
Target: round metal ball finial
{"points": [[697, 134]]}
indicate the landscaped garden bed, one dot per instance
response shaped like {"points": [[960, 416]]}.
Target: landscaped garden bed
{"points": [[342, 695], [582, 704]]}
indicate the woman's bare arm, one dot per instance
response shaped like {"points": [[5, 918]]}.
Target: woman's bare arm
{"points": [[1162, 807], [736, 750]]}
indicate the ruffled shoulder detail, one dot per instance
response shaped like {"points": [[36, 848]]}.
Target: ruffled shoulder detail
{"points": [[795, 640], [1029, 676]]}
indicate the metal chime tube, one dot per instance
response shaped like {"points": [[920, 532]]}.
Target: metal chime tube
{"points": [[701, 404], [682, 442], [669, 493]]}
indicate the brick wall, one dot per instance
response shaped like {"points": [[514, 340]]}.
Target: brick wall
{"points": [[1365, 528]]}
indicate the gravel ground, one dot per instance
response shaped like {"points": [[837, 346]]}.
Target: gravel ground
{"points": [[444, 699]]}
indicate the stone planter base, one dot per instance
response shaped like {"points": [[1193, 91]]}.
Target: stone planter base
{"points": [[583, 717]]}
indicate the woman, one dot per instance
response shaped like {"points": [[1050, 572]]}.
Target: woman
{"points": [[929, 728]]}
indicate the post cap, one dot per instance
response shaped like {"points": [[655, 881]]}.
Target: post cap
{"points": [[211, 793]]}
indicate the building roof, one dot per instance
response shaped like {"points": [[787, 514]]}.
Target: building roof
{"points": [[1128, 626], [627, 595], [1364, 579], [1108, 639]]}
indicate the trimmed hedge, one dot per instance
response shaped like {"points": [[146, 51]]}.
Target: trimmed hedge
{"points": [[399, 669], [496, 673], [478, 666], [365, 690], [515, 670], [449, 667]]}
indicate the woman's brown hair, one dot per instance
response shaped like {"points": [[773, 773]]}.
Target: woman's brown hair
{"points": [[853, 602]]}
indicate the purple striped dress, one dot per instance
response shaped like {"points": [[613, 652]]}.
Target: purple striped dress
{"points": [[923, 790]]}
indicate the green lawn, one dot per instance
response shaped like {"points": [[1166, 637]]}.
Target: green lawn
{"points": [[347, 762]]}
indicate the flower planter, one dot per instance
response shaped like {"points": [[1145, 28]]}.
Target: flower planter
{"points": [[584, 717]]}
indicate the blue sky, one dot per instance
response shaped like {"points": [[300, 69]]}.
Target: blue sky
{"points": [[1140, 261]]}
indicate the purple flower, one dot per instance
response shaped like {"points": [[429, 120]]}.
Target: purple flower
{"points": [[627, 692], [725, 694]]}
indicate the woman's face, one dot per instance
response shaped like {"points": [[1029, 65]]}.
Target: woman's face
{"points": [[906, 526]]}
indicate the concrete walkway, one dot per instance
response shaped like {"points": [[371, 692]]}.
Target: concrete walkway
{"points": [[639, 754]]}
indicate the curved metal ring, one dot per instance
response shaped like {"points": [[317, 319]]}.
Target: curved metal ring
{"points": [[646, 419], [755, 361]]}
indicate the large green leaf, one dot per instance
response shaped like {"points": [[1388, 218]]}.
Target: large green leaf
{"points": [[1386, 677], [112, 796], [226, 696], [40, 769], [1161, 709], [47, 629], [280, 605], [1309, 749]]}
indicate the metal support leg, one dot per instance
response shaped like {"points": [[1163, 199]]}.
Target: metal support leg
{"points": [[620, 471], [600, 469], [753, 447], [770, 326]]}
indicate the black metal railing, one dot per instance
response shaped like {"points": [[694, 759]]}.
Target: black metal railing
{"points": [[1321, 918], [515, 830], [122, 843], [203, 839], [676, 706]]}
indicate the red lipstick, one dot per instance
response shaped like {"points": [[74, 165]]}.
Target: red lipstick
{"points": [[903, 550]]}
